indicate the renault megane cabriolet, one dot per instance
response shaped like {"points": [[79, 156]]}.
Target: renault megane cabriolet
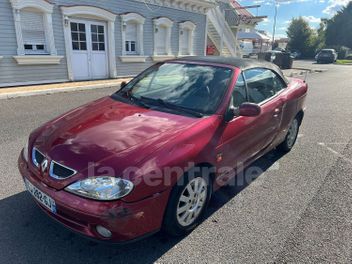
{"points": [[149, 157]]}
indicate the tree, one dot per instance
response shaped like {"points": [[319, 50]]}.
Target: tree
{"points": [[301, 37], [321, 35], [339, 28]]}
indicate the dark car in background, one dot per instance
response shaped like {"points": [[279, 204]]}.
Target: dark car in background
{"points": [[281, 58], [295, 54], [326, 56]]}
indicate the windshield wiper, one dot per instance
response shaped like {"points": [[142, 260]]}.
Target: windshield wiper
{"points": [[138, 101], [161, 102], [126, 95]]}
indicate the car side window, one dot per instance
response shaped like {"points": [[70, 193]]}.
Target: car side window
{"points": [[239, 94], [278, 83], [262, 84]]}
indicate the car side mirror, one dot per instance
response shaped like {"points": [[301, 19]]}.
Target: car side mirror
{"points": [[123, 84], [245, 109], [249, 109]]}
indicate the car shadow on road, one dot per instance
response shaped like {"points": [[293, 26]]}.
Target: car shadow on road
{"points": [[243, 180], [29, 236]]}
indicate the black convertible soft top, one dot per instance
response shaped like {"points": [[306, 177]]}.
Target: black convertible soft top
{"points": [[243, 64]]}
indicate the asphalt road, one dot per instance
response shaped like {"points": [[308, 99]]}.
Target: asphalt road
{"points": [[298, 210]]}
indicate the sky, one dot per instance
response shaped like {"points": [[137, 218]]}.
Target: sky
{"points": [[311, 10]]}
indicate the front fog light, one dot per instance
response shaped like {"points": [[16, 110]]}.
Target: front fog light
{"points": [[103, 231]]}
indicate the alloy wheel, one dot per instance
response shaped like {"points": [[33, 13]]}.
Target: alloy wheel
{"points": [[292, 133], [192, 201]]}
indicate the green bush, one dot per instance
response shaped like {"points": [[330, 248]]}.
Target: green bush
{"points": [[341, 50], [349, 57]]}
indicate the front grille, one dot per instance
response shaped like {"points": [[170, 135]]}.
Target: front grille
{"points": [[37, 157], [59, 171]]}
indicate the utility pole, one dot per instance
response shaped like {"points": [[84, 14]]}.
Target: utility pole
{"points": [[222, 33], [275, 19]]}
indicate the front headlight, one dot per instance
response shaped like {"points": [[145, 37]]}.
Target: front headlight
{"points": [[25, 151], [101, 188]]}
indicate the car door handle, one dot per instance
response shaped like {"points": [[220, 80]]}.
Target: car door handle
{"points": [[277, 112]]}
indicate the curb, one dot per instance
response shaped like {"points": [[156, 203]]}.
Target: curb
{"points": [[310, 69], [295, 72], [57, 90]]}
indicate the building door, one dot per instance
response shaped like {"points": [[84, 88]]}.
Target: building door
{"points": [[89, 50]]}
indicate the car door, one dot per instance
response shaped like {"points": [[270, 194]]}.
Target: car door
{"points": [[244, 138], [264, 89], [234, 144]]}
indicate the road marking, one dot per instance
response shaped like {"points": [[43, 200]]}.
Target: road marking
{"points": [[334, 143], [274, 167], [335, 152]]}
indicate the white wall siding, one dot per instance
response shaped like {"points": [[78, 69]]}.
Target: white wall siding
{"points": [[11, 72], [177, 16]]}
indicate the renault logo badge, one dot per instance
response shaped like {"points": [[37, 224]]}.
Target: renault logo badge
{"points": [[44, 165]]}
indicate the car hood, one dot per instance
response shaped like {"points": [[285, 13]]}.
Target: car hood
{"points": [[107, 135]]}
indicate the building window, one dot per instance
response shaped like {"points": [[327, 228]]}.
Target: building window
{"points": [[78, 35], [132, 34], [131, 47], [162, 36], [33, 33], [186, 38], [33, 24], [184, 42], [98, 37], [161, 40], [131, 39]]}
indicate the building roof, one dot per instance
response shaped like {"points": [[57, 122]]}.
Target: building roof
{"points": [[252, 35], [239, 9]]}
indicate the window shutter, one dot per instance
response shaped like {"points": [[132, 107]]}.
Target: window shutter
{"points": [[131, 32], [185, 42], [161, 41], [32, 25]]}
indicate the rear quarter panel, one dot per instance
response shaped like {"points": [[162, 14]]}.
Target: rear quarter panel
{"points": [[294, 97]]}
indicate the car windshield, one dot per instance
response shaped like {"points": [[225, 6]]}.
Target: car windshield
{"points": [[187, 88]]}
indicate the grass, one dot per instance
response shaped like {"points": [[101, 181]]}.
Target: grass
{"points": [[344, 62]]}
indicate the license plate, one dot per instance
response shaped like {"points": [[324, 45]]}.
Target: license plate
{"points": [[41, 197]]}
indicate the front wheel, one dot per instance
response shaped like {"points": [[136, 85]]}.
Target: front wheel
{"points": [[187, 204], [291, 136]]}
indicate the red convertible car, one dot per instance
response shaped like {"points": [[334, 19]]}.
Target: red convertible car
{"points": [[149, 156]]}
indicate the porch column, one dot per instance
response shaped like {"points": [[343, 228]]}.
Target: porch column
{"points": [[19, 37], [112, 47]]}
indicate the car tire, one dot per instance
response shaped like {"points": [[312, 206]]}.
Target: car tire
{"points": [[182, 202], [291, 137]]}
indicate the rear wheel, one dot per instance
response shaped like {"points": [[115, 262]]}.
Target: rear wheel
{"points": [[291, 136], [187, 204]]}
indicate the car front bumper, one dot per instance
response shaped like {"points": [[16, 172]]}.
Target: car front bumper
{"points": [[126, 221]]}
